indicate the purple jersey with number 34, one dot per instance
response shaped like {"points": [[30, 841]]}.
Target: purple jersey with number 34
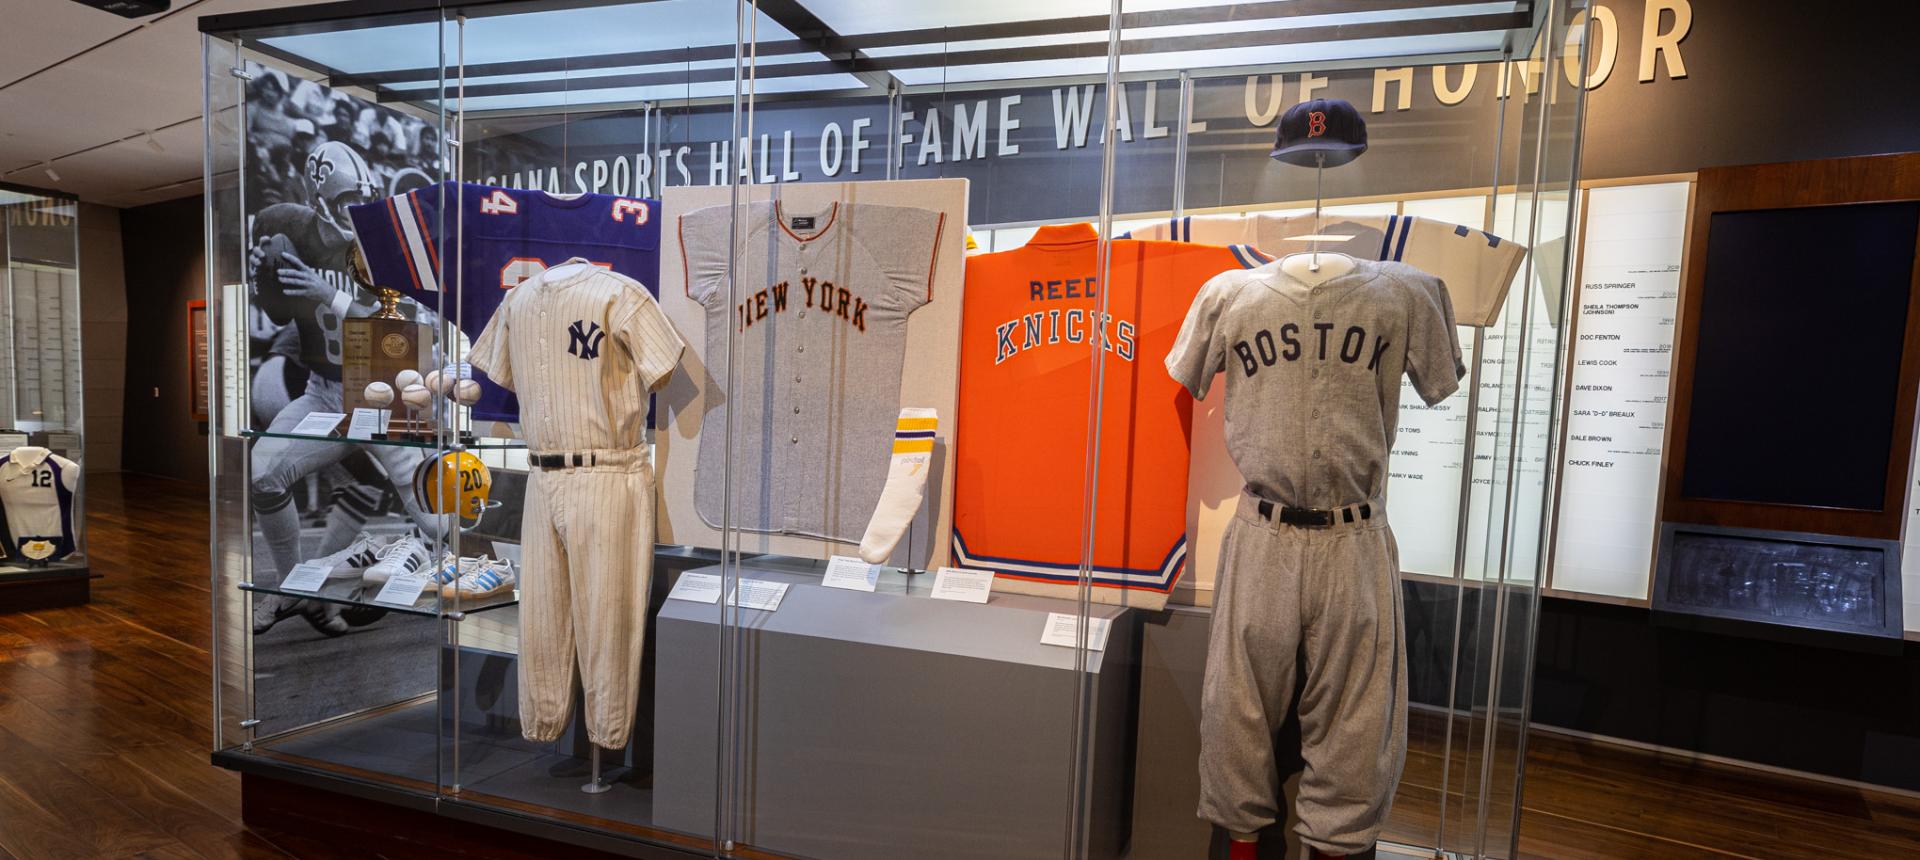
{"points": [[507, 235]]}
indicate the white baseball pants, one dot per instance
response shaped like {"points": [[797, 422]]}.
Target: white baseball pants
{"points": [[1324, 602], [586, 563]]}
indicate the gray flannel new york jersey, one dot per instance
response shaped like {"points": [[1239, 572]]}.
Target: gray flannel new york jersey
{"points": [[582, 346], [819, 322], [1313, 372]]}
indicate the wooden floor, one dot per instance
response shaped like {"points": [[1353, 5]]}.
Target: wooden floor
{"points": [[105, 730]]}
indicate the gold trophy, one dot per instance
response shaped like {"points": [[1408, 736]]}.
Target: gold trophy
{"points": [[377, 349]]}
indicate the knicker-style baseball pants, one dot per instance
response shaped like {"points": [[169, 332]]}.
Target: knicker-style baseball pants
{"points": [[1324, 602], [586, 548]]}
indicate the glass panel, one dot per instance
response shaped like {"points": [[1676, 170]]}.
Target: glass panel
{"points": [[316, 515], [228, 317], [562, 161], [869, 375]]}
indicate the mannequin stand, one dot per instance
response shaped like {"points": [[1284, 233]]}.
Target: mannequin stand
{"points": [[595, 785]]}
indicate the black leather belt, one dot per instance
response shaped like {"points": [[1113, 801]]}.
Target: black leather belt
{"points": [[1315, 518], [561, 461]]}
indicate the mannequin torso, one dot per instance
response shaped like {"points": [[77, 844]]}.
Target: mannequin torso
{"points": [[1301, 267]]}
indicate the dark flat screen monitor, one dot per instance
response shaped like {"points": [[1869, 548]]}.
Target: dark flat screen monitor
{"points": [[1801, 331]]}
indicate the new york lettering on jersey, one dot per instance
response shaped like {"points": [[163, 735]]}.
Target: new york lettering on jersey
{"points": [[1032, 319], [36, 491], [1476, 266], [508, 235]]}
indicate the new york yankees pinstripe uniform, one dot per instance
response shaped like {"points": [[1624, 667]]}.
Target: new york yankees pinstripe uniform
{"points": [[820, 326], [1476, 266], [582, 347], [36, 489], [1308, 564]]}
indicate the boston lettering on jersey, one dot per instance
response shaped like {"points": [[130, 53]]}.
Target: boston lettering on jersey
{"points": [[1296, 343], [834, 300]]}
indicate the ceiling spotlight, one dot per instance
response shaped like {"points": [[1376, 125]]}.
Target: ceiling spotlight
{"points": [[154, 144], [51, 174]]}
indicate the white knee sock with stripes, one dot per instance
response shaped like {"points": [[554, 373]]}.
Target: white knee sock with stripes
{"points": [[906, 484]]}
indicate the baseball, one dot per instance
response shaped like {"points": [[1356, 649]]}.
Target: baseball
{"points": [[406, 379], [466, 392], [379, 394], [436, 383], [416, 396]]}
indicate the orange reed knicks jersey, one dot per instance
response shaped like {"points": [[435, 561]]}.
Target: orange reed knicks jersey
{"points": [[1031, 320]]}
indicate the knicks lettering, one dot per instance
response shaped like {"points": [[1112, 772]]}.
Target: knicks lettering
{"points": [[1071, 326], [820, 295], [1319, 344]]}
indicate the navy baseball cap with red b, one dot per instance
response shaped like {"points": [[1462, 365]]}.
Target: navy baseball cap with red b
{"points": [[1329, 128]]}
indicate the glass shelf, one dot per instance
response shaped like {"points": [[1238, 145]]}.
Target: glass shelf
{"points": [[485, 443], [349, 592]]}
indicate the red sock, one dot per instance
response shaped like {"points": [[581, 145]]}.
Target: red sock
{"points": [[1237, 850]]}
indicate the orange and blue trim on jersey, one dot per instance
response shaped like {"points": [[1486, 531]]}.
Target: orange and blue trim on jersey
{"points": [[1159, 579], [1249, 256]]}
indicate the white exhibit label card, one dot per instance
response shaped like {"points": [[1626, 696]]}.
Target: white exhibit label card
{"points": [[851, 574], [366, 422], [1063, 629], [10, 441], [697, 587], [972, 586], [758, 594], [306, 576], [1617, 404], [318, 424], [402, 590], [68, 442]]}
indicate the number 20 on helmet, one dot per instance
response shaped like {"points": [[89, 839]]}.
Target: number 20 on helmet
{"points": [[453, 483]]}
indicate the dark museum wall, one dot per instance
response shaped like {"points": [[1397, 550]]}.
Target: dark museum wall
{"points": [[165, 258]]}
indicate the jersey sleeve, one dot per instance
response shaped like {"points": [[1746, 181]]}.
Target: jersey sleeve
{"points": [[1433, 343], [1159, 230], [1477, 266], [907, 242], [1199, 351], [490, 351], [703, 252], [396, 235], [655, 346]]}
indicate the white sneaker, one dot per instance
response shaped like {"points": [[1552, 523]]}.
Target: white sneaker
{"points": [[400, 558], [364, 551], [451, 568], [487, 579]]}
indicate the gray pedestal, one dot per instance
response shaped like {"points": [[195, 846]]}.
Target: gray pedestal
{"points": [[892, 725]]}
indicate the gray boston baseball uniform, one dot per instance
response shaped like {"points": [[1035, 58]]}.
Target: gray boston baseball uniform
{"points": [[582, 346], [819, 321], [1313, 391]]}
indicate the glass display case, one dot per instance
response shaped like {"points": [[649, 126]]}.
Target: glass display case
{"points": [[43, 547], [701, 428]]}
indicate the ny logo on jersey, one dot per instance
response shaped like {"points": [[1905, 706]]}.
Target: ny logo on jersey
{"points": [[585, 339]]}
